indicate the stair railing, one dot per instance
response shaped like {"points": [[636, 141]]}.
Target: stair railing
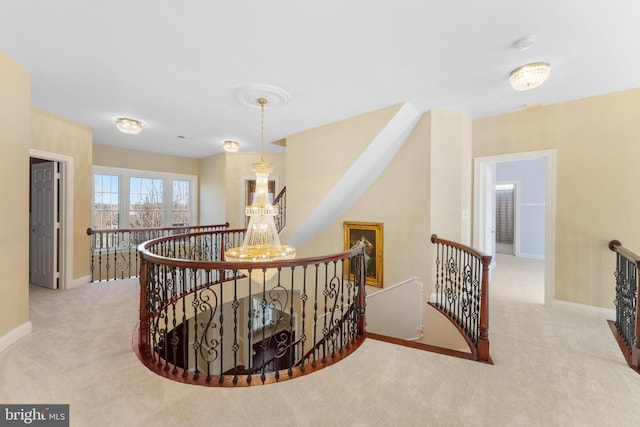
{"points": [[626, 327], [281, 202], [113, 251], [199, 325], [461, 293]]}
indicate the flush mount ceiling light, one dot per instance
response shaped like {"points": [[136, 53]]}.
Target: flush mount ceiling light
{"points": [[128, 125], [231, 146], [529, 76]]}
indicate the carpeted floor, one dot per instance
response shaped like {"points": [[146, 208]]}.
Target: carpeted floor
{"points": [[552, 368]]}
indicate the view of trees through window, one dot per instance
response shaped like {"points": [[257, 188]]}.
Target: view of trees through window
{"points": [[134, 201], [146, 202], [106, 206], [181, 208]]}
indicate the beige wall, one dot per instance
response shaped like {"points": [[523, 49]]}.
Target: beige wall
{"points": [[15, 114], [597, 141], [105, 155], [58, 135], [450, 140], [212, 189], [399, 198]]}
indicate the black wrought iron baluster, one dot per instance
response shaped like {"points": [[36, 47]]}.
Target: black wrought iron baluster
{"points": [[341, 306], [196, 336], [303, 317], [315, 318], [325, 329], [174, 337], [236, 345], [182, 279], [263, 343], [292, 337], [166, 299], [116, 249], [127, 240], [102, 251], [221, 305], [250, 314]]}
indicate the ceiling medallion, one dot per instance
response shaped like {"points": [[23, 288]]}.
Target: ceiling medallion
{"points": [[273, 95]]}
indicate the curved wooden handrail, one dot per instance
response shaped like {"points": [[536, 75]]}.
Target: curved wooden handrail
{"points": [[617, 247], [228, 265], [486, 259], [91, 231]]}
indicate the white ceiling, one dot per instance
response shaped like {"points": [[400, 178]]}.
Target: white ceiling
{"points": [[175, 64]]}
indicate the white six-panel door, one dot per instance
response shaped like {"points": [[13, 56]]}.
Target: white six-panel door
{"points": [[43, 247]]}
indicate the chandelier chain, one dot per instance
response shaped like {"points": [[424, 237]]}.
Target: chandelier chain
{"points": [[262, 102]]}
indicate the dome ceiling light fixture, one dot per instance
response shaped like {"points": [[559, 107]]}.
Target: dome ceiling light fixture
{"points": [[529, 76], [128, 125], [231, 146]]}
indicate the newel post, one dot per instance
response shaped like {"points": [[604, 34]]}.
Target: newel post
{"points": [[483, 339]]}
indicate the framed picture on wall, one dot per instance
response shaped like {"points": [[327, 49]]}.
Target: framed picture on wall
{"points": [[369, 235]]}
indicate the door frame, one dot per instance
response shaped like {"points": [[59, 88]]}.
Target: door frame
{"points": [[65, 253], [480, 164]]}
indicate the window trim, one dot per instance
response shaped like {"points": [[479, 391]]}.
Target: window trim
{"points": [[124, 197]]}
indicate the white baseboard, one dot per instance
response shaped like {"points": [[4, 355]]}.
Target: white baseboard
{"points": [[583, 309], [78, 282], [14, 335]]}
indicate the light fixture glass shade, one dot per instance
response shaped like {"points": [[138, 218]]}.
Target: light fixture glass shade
{"points": [[261, 241], [129, 126], [529, 76], [231, 146]]}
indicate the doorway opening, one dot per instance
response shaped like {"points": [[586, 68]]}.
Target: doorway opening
{"points": [[528, 242], [50, 219], [506, 194]]}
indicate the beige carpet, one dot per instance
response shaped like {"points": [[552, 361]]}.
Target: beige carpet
{"points": [[552, 368]]}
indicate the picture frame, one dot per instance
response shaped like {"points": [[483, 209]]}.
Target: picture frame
{"points": [[370, 235]]}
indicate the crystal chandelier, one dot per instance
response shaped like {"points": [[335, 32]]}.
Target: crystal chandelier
{"points": [[261, 243], [529, 76]]}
